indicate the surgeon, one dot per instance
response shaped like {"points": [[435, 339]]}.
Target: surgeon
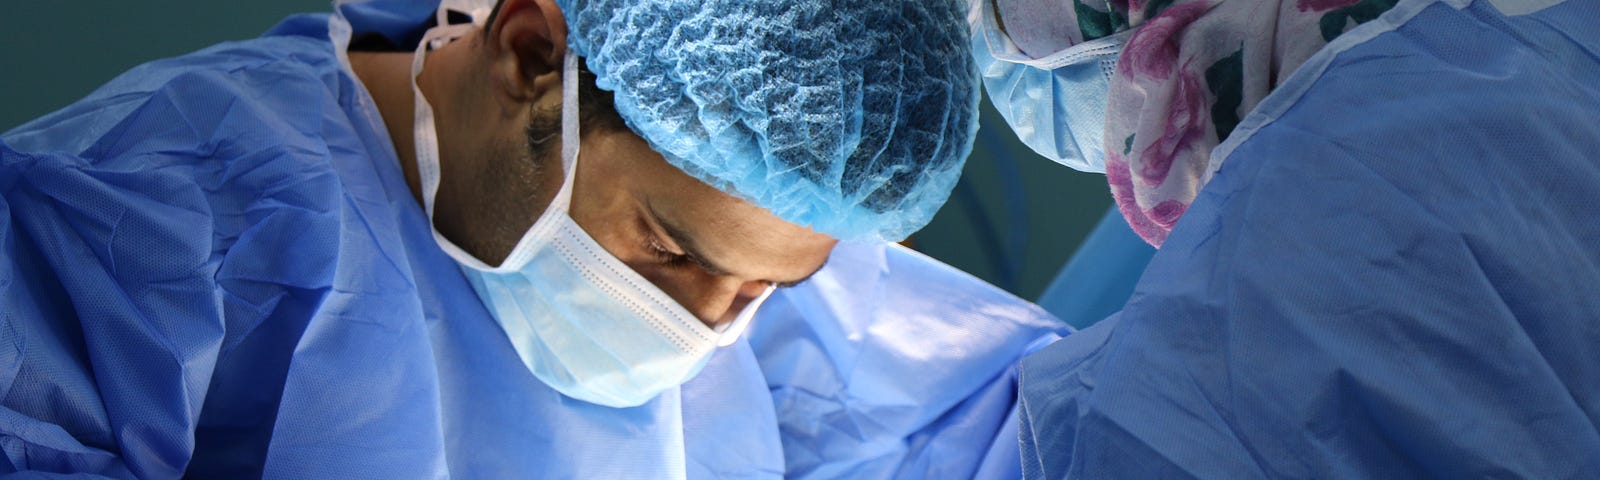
{"points": [[524, 239], [1376, 231]]}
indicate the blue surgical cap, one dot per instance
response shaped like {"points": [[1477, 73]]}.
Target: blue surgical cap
{"points": [[852, 117]]}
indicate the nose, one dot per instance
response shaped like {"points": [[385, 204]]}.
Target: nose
{"points": [[716, 300]]}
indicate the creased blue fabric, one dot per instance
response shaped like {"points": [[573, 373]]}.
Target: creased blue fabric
{"points": [[1392, 276], [213, 268], [891, 377]]}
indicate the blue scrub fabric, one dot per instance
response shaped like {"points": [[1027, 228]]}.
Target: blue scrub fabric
{"points": [[1393, 275], [213, 268]]}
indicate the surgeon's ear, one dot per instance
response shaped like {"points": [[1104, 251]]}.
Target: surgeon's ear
{"points": [[526, 40]]}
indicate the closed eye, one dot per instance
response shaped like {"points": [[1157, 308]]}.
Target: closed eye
{"points": [[667, 257]]}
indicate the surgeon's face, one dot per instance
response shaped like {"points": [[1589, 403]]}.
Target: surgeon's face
{"points": [[711, 252], [497, 100]]}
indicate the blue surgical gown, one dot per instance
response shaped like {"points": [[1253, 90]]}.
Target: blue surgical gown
{"points": [[212, 267], [1394, 274]]}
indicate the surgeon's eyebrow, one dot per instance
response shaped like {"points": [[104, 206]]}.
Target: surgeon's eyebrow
{"points": [[808, 276], [686, 242], [792, 283]]}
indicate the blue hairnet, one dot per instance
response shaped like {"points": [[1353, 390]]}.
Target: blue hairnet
{"points": [[852, 117]]}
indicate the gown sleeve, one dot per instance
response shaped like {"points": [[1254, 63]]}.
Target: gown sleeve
{"points": [[166, 242]]}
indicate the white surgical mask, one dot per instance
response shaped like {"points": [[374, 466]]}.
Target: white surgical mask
{"points": [[582, 321], [1056, 103]]}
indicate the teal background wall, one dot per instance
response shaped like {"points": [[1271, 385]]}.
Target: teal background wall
{"points": [[58, 51], [1031, 211], [1059, 207]]}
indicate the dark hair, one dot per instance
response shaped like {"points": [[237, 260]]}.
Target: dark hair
{"points": [[596, 112]]}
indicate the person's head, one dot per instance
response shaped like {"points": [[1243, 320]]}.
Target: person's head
{"points": [[711, 188], [1145, 92]]}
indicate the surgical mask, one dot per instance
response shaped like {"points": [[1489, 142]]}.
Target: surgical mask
{"points": [[582, 321], [1056, 103]]}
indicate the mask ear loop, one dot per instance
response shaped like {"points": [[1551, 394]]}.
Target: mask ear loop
{"points": [[570, 138], [732, 331], [427, 145], [478, 13], [547, 223]]}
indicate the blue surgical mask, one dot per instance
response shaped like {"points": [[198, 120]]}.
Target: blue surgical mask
{"points": [[1056, 103], [581, 320]]}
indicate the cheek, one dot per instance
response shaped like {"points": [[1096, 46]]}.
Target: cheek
{"points": [[668, 280], [684, 284], [603, 229], [616, 226], [599, 207]]}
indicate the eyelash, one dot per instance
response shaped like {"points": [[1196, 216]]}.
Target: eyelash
{"points": [[665, 256]]}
